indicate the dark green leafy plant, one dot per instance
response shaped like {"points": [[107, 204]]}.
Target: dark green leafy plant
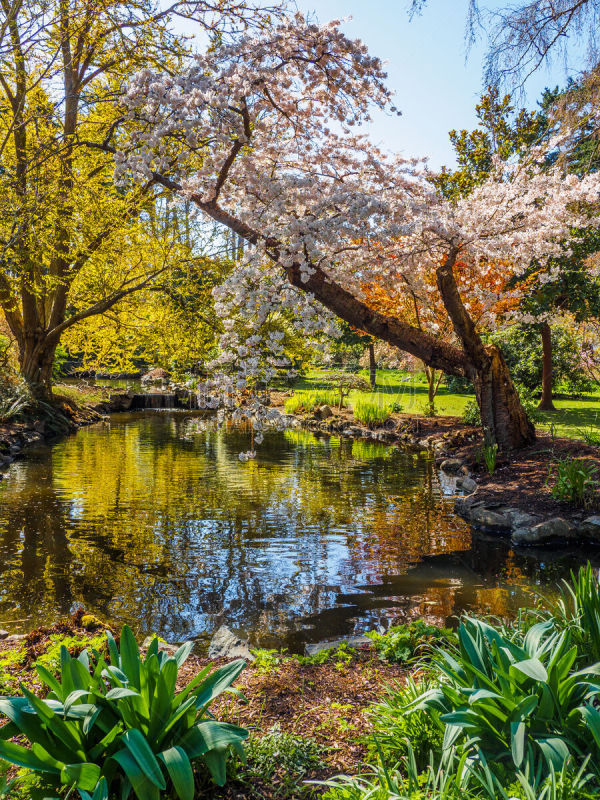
{"points": [[397, 733], [578, 611], [490, 452], [402, 643], [520, 704], [575, 481], [472, 414], [122, 727], [285, 756]]}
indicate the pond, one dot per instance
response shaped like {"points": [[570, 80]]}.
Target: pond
{"points": [[151, 519]]}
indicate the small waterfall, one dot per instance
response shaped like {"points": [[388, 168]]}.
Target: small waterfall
{"points": [[164, 400]]}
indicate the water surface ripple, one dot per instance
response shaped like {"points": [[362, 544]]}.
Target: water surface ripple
{"points": [[151, 519]]}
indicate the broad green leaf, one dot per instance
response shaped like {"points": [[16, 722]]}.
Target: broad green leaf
{"points": [[130, 657], [181, 655], [119, 692], [518, 733], [23, 757], [532, 668], [140, 749], [180, 771], [554, 750], [217, 682], [84, 776], [216, 761], [209, 735], [144, 788]]}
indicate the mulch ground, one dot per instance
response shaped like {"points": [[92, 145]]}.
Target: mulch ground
{"points": [[326, 703], [524, 479]]}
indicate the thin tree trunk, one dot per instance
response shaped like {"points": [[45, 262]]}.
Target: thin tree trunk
{"points": [[372, 366], [546, 403]]}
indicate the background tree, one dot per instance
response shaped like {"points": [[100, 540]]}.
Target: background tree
{"points": [[63, 66], [502, 132]]}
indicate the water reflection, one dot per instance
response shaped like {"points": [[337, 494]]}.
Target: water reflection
{"points": [[152, 519]]}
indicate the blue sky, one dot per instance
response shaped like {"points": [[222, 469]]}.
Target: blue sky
{"points": [[436, 88]]}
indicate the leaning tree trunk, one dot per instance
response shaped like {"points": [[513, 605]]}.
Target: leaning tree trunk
{"points": [[503, 418], [372, 366], [546, 403]]}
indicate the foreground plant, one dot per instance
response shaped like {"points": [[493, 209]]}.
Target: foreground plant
{"points": [[578, 611], [121, 726], [521, 705]]}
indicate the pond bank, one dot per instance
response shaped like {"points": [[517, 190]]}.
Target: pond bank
{"points": [[515, 500]]}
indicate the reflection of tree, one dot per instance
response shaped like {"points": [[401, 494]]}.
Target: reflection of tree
{"points": [[35, 558], [154, 520]]}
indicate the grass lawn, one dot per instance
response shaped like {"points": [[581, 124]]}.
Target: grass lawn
{"points": [[407, 392]]}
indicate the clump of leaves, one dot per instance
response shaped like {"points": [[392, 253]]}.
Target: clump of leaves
{"points": [[266, 661], [396, 733], [517, 704], [341, 655], [472, 414], [402, 643], [370, 412], [283, 759], [490, 452], [575, 482], [121, 726]]}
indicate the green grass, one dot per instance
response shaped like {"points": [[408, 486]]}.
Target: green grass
{"points": [[306, 401], [407, 393], [370, 412]]}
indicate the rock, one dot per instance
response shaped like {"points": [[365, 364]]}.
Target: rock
{"points": [[171, 649], [351, 641], [590, 529], [467, 484], [4, 634], [16, 637], [548, 530], [156, 376], [490, 521], [465, 505], [324, 412], [520, 519], [225, 644], [452, 466], [40, 426]]}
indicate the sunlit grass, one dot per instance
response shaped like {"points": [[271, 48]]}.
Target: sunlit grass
{"points": [[307, 401]]}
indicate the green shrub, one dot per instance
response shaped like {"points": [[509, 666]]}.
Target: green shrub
{"points": [[520, 705], [402, 643], [471, 414], [121, 726], [575, 481], [578, 611], [370, 412], [285, 756], [490, 452], [521, 346], [396, 732]]}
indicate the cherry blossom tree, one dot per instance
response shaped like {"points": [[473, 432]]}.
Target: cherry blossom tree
{"points": [[260, 134]]}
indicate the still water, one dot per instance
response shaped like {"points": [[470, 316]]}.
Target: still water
{"points": [[151, 519]]}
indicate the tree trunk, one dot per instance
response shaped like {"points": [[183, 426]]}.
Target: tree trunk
{"points": [[503, 418], [546, 403], [372, 366], [36, 359]]}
